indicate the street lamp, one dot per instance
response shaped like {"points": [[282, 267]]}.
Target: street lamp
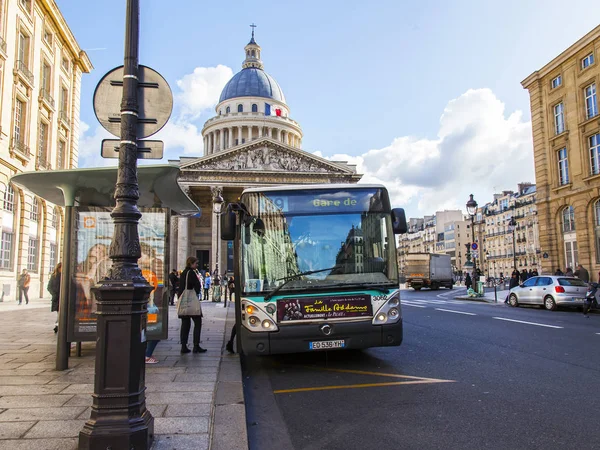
{"points": [[511, 226], [217, 204], [472, 210]]}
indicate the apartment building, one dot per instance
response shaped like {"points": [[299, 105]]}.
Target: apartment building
{"points": [[41, 65]]}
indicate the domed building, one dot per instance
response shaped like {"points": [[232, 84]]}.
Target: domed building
{"points": [[251, 141]]}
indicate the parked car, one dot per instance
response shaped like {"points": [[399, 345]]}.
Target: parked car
{"points": [[549, 291]]}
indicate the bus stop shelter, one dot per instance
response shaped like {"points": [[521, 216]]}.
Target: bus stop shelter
{"points": [[88, 198]]}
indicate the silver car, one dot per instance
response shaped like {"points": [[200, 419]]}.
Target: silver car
{"points": [[549, 291]]}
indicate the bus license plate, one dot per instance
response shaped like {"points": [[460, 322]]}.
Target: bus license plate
{"points": [[322, 345]]}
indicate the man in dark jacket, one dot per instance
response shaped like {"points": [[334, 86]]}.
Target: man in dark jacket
{"points": [[524, 275], [514, 282], [174, 282], [582, 273]]}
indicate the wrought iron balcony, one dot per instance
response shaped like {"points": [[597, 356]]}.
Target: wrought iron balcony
{"points": [[64, 116], [20, 148], [45, 95], [42, 162], [24, 71], [2, 44]]}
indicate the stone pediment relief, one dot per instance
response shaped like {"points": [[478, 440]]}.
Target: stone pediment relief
{"points": [[266, 159]]}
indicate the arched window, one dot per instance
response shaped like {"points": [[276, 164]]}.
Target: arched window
{"points": [[227, 110], [9, 199], [568, 219], [35, 210], [597, 228], [254, 107], [240, 108], [253, 53]]}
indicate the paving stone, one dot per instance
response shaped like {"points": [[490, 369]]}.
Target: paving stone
{"points": [[167, 398], [40, 444], [16, 381], [170, 370], [14, 430], [180, 387], [55, 429], [197, 377], [33, 401], [78, 400], [159, 377], [75, 378], [37, 365], [42, 389], [181, 442], [77, 389], [181, 425], [157, 410], [200, 369], [188, 410], [19, 372], [229, 393], [21, 414]]}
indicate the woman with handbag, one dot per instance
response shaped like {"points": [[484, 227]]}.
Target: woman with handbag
{"points": [[188, 305]]}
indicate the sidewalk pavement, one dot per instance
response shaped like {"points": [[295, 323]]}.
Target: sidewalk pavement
{"points": [[196, 399]]}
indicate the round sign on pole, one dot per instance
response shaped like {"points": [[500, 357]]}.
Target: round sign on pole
{"points": [[155, 101], [545, 255], [474, 246]]}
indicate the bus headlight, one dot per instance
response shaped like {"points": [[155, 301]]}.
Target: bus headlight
{"points": [[389, 311], [257, 318]]}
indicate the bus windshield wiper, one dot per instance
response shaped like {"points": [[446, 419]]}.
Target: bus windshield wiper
{"points": [[293, 277]]}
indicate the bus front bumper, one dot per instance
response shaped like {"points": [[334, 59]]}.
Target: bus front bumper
{"points": [[297, 338]]}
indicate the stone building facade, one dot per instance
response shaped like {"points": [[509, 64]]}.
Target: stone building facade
{"points": [[41, 65], [251, 141], [566, 142]]}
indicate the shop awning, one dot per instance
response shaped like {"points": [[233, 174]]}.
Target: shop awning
{"points": [[96, 186]]}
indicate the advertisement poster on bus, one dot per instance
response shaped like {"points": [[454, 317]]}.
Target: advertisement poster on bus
{"points": [[327, 307], [93, 231]]}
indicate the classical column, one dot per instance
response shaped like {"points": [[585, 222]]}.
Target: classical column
{"points": [[271, 132], [239, 135], [216, 239], [231, 141], [279, 132], [205, 143], [211, 146], [260, 131]]}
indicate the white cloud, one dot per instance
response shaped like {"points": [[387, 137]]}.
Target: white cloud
{"points": [[479, 150], [200, 90], [180, 136], [90, 144]]}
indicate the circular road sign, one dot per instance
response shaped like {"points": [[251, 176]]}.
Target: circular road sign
{"points": [[155, 101], [474, 246], [545, 255]]}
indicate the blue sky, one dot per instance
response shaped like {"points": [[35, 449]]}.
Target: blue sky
{"points": [[424, 96]]}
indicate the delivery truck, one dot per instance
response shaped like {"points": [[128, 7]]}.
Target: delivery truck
{"points": [[429, 270]]}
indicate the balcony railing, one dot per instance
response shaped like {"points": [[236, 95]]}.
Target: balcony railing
{"points": [[42, 162], [24, 71], [64, 116], [2, 44], [19, 147], [45, 95]]}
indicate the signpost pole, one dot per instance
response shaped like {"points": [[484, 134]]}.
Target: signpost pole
{"points": [[119, 418]]}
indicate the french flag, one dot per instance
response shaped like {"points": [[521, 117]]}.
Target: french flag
{"points": [[272, 110]]}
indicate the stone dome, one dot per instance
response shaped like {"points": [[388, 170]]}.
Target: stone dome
{"points": [[252, 82]]}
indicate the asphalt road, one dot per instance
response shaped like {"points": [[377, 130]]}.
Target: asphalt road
{"points": [[467, 376]]}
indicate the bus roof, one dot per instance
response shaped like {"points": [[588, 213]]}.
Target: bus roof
{"points": [[297, 187]]}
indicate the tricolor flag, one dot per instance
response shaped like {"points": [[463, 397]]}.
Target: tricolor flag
{"points": [[271, 110]]}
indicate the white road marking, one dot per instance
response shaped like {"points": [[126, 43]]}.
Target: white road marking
{"points": [[456, 312], [416, 306], [527, 323]]}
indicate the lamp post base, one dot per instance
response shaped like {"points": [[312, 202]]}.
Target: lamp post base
{"points": [[118, 432]]}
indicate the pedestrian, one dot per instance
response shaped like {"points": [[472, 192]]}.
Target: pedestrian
{"points": [[231, 287], [559, 273], [535, 273], [514, 282], [207, 283], [468, 282], [229, 345], [24, 281], [174, 282], [524, 276], [569, 272], [582, 274], [216, 294], [190, 282], [54, 289], [150, 346], [530, 273]]}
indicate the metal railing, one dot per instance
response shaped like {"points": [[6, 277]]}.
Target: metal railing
{"points": [[24, 70], [64, 116], [2, 44], [42, 162], [19, 147], [45, 95]]}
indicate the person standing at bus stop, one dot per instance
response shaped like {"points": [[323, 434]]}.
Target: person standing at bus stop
{"points": [[189, 280]]}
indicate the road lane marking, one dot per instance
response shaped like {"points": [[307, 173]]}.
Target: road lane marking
{"points": [[456, 312], [416, 306], [527, 323], [358, 386]]}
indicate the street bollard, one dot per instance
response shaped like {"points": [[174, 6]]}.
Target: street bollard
{"points": [[495, 294]]}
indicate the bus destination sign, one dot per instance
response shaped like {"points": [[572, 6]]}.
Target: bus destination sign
{"points": [[329, 307], [323, 201]]}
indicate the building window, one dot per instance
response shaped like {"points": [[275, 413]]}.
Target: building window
{"points": [[240, 108], [64, 103], [563, 167], [227, 110], [47, 37], [571, 254], [6, 250], [52, 256], [18, 132], [35, 210], [595, 153], [587, 61], [9, 199], [559, 119], [556, 82], [65, 64], [254, 107], [568, 219], [32, 253], [23, 52], [60, 157], [54, 222], [591, 106], [43, 144]]}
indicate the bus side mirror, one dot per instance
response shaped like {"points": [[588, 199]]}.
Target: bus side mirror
{"points": [[228, 222], [399, 221]]}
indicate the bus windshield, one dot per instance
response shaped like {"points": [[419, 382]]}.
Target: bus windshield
{"points": [[299, 240]]}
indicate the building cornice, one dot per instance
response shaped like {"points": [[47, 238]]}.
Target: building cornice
{"points": [[565, 55]]}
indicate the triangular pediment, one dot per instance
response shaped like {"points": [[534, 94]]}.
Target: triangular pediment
{"points": [[266, 155]]}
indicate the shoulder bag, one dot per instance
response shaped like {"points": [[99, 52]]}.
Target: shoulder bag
{"points": [[188, 303]]}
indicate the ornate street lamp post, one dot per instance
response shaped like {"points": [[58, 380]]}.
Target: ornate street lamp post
{"points": [[217, 205], [512, 225], [472, 210]]}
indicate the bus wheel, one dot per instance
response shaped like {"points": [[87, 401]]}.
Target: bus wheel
{"points": [[417, 288]]}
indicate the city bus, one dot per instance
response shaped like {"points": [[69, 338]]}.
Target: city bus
{"points": [[315, 268]]}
